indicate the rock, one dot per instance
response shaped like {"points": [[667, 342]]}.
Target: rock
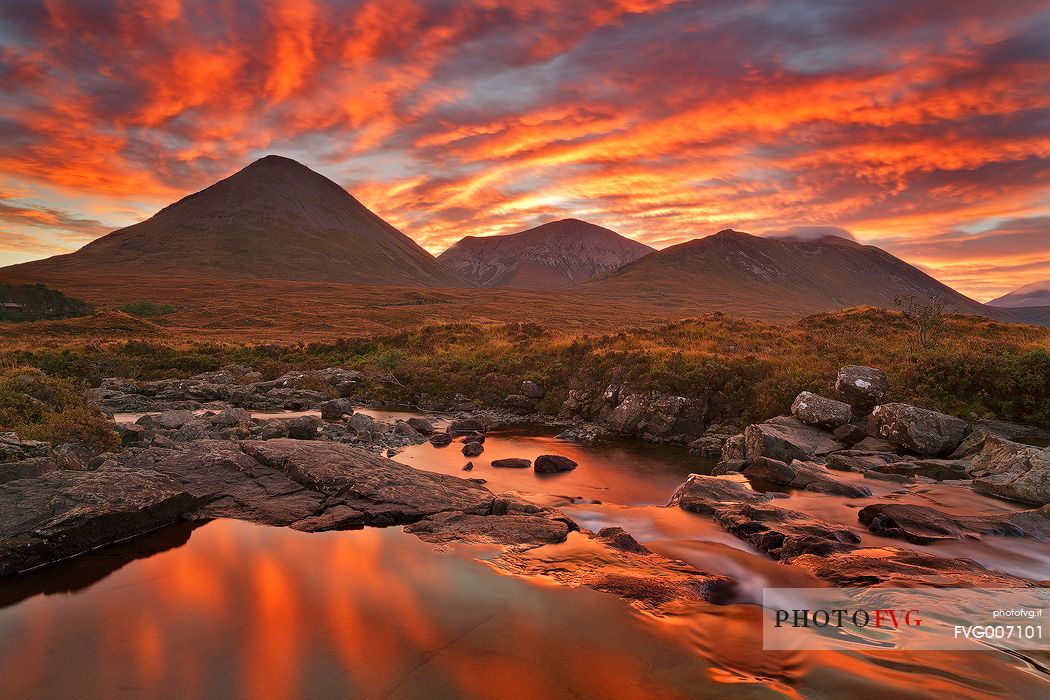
{"points": [[231, 417], [64, 513], [657, 416], [303, 427], [361, 422], [406, 430], [468, 466], [533, 390], [859, 460], [512, 463], [131, 434], [821, 412], [553, 464], [925, 432], [801, 475], [786, 439], [923, 525], [707, 446], [335, 409], [620, 539], [473, 449], [344, 381], [1012, 470], [874, 444], [421, 425], [733, 449], [863, 388], [849, 434], [465, 426], [903, 568], [473, 437], [705, 494], [518, 403], [168, 420], [440, 439], [784, 534], [936, 469]]}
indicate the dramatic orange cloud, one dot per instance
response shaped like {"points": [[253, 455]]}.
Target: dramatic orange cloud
{"points": [[920, 126]]}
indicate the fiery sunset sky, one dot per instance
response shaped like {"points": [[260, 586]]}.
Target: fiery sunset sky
{"points": [[919, 126]]}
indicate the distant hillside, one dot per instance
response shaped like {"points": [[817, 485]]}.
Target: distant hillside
{"points": [[275, 219], [34, 302], [1035, 294], [550, 256], [773, 277]]}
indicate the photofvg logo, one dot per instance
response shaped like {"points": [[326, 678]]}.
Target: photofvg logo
{"points": [[905, 618]]}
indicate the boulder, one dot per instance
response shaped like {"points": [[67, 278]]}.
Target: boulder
{"points": [[512, 463], [167, 420], [923, 524], [553, 464], [466, 426], [230, 418], [784, 534], [473, 449], [421, 425], [863, 388], [533, 390], [304, 427], [785, 439], [936, 469], [922, 431], [1011, 470], [335, 409], [859, 460], [440, 439], [361, 422], [657, 416], [705, 494], [849, 434], [813, 409], [801, 475], [904, 568]]}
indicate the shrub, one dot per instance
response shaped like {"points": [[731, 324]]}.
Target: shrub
{"points": [[148, 309], [52, 409]]}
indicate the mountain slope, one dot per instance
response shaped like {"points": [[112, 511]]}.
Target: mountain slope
{"points": [[1035, 294], [275, 219], [550, 256], [777, 277]]}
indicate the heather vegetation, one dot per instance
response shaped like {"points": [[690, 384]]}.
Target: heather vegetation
{"points": [[37, 406], [33, 302], [750, 369]]}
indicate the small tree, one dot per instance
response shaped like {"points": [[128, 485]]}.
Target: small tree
{"points": [[926, 314]]}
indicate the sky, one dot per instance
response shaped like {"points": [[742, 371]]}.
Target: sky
{"points": [[920, 126]]}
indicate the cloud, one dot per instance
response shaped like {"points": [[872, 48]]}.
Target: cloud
{"points": [[663, 120], [52, 219]]}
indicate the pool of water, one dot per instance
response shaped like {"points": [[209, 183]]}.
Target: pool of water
{"points": [[231, 609]]}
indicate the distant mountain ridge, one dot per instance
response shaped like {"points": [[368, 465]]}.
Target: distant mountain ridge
{"points": [[551, 256], [1035, 294], [274, 219], [740, 273]]}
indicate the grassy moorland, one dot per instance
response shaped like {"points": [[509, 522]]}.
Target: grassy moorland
{"points": [[750, 369]]}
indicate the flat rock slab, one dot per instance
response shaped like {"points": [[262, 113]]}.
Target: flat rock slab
{"points": [[923, 524], [922, 431], [705, 494], [801, 475], [1012, 470], [890, 567], [785, 439], [782, 533]]}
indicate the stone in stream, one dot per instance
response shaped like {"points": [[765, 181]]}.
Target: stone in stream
{"points": [[511, 463], [466, 426], [785, 439], [860, 460], [511, 521], [304, 427], [863, 388], [813, 409], [421, 425], [553, 464], [472, 449], [168, 420], [705, 494], [784, 534], [1011, 470], [923, 524], [335, 409], [904, 568], [936, 469], [922, 431], [361, 422], [440, 439], [801, 475], [468, 466]]}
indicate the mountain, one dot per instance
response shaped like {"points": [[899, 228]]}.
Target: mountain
{"points": [[550, 256], [1035, 294], [777, 277], [275, 219]]}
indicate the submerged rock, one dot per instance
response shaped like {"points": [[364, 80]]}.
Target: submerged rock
{"points": [[705, 494], [511, 463], [472, 449]]}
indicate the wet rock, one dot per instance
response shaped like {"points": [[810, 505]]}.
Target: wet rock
{"points": [[362, 422], [849, 434], [859, 460], [473, 449], [733, 449], [510, 520], [801, 475], [512, 463], [303, 427], [863, 388], [335, 409], [231, 417], [903, 568], [440, 439], [1011, 470], [782, 533], [64, 513], [404, 429], [468, 466], [705, 494], [922, 431], [657, 416], [466, 426], [618, 538], [553, 464], [816, 410], [923, 524], [785, 439], [167, 420], [421, 425], [936, 469]]}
